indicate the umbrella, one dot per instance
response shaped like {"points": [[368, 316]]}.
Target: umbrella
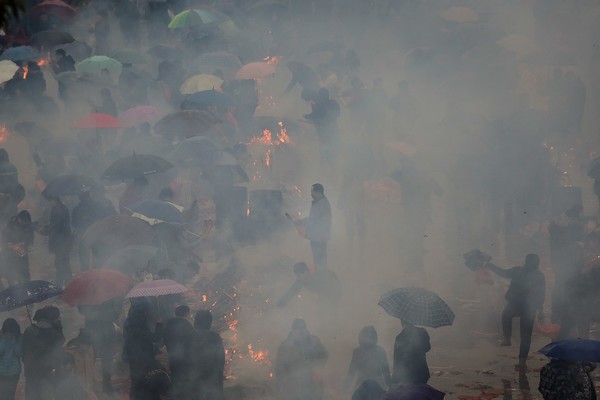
{"points": [[200, 82], [186, 123], [460, 15], [156, 212], [53, 7], [51, 38], [131, 259], [165, 52], [128, 56], [95, 65], [136, 166], [7, 70], [71, 185], [415, 391], [199, 151], [20, 53], [191, 18], [593, 170], [139, 115], [95, 286], [255, 70], [417, 306], [161, 287], [583, 350], [209, 98], [97, 121], [27, 293], [226, 62]]}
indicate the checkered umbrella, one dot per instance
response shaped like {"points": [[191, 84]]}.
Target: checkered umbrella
{"points": [[417, 306]]}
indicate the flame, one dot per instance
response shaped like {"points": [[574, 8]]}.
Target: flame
{"points": [[204, 298], [4, 133], [25, 71], [268, 158], [42, 62], [267, 137], [257, 356]]}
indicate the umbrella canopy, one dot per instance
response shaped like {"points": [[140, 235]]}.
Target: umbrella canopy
{"points": [[136, 166], [415, 391], [161, 287], [97, 121], [593, 170], [27, 293], [128, 56], [7, 70], [131, 259], [95, 286], [56, 8], [226, 62], [200, 82], [191, 18], [96, 64], [255, 70], [417, 306], [186, 124], [20, 53], [583, 350], [139, 115], [197, 151], [156, 212], [208, 98], [71, 185], [460, 15], [165, 52], [51, 38]]}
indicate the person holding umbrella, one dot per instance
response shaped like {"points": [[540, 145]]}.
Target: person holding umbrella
{"points": [[525, 296], [410, 355]]}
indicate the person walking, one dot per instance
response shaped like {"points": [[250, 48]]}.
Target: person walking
{"points": [[59, 239], [10, 358], [525, 297], [317, 226], [369, 361], [410, 355]]}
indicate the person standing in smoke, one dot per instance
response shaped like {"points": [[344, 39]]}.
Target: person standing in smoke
{"points": [[410, 355], [317, 226], [525, 297], [297, 356], [10, 359], [59, 239], [17, 239], [177, 334], [208, 360], [369, 361], [324, 115], [41, 346]]}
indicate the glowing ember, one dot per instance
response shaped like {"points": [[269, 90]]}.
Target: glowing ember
{"points": [[4, 133], [42, 62], [204, 298], [257, 356], [25, 71]]}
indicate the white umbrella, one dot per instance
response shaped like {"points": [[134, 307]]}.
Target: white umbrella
{"points": [[7, 70]]}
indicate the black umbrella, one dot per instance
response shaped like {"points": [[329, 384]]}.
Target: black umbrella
{"points": [[136, 166], [71, 185], [51, 38], [156, 211], [27, 293], [417, 306]]}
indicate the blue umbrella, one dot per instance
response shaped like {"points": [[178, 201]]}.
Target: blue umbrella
{"points": [[20, 53], [209, 98], [583, 350], [156, 211], [27, 293]]}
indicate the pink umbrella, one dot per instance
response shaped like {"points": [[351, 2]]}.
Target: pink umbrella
{"points": [[255, 70], [140, 115], [97, 121], [161, 287]]}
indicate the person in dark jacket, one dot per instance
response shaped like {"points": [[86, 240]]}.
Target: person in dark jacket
{"points": [[59, 239], [62, 63], [177, 335], [317, 226], [369, 361], [207, 375], [303, 75], [10, 358], [525, 298], [41, 346], [410, 355], [297, 356], [17, 239], [368, 390]]}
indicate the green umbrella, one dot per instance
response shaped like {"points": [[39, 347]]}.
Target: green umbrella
{"points": [[191, 18], [96, 64], [128, 56]]}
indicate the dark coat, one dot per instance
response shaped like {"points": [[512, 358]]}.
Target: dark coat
{"points": [[527, 286], [410, 360], [41, 347], [59, 229], [208, 358]]}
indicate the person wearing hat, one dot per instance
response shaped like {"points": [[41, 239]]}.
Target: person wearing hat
{"points": [[297, 356], [41, 346]]}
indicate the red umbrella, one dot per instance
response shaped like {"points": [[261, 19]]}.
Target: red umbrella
{"points": [[96, 121], [161, 287], [255, 70], [53, 7], [139, 115], [95, 287]]}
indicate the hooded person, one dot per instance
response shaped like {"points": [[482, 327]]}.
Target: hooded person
{"points": [[41, 348], [369, 361], [410, 355], [297, 356]]}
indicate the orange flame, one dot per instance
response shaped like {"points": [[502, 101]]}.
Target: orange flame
{"points": [[25, 71], [204, 298], [42, 62], [268, 158], [4, 133], [257, 356]]}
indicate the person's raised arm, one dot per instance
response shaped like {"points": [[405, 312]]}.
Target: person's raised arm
{"points": [[504, 273]]}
